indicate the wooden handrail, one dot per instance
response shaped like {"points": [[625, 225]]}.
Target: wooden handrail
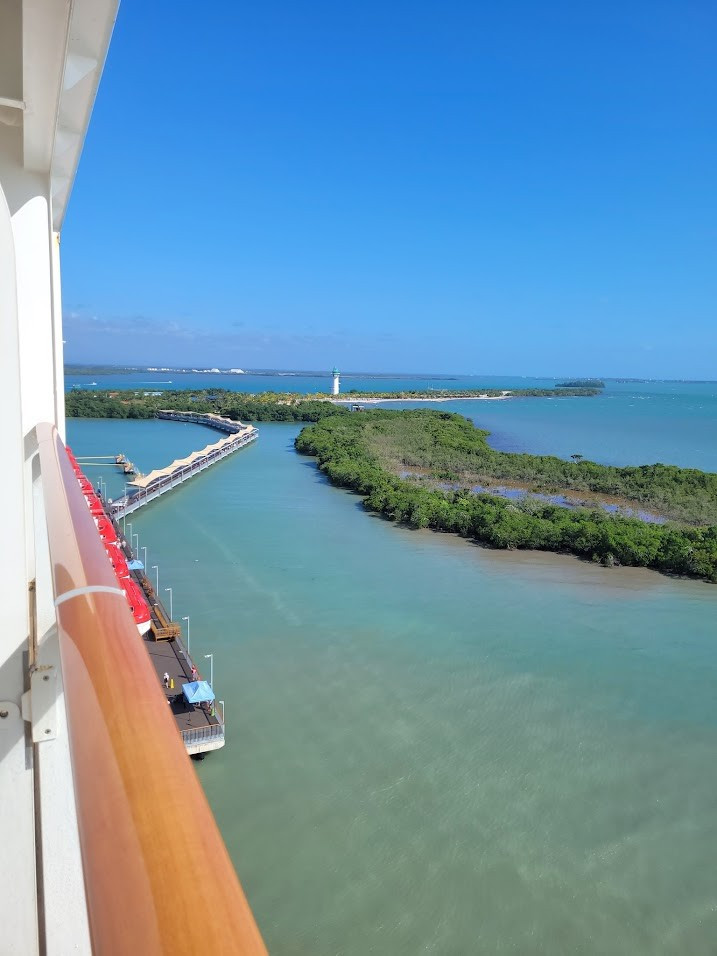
{"points": [[158, 877]]}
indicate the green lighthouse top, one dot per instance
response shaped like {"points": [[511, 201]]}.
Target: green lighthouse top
{"points": [[336, 371]]}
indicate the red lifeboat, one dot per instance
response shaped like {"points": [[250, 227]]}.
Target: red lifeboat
{"points": [[106, 529], [95, 505], [137, 604], [85, 485], [117, 559]]}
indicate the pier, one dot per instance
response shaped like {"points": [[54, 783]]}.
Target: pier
{"points": [[199, 725], [159, 482], [201, 728]]}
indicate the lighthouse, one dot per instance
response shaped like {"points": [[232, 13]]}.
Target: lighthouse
{"points": [[337, 376]]}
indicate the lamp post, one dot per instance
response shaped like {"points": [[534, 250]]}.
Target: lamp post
{"points": [[188, 636], [223, 720], [171, 615], [211, 669], [129, 525], [136, 550], [145, 557], [155, 567]]}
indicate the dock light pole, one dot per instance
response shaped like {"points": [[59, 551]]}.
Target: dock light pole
{"points": [[171, 615], [145, 557], [211, 669], [129, 525], [187, 620], [223, 721], [155, 567], [136, 550]]}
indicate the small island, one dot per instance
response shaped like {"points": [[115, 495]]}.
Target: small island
{"points": [[457, 394], [430, 469], [582, 383]]}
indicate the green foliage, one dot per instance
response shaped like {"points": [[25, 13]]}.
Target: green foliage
{"points": [[82, 403], [362, 452], [266, 407], [582, 383]]}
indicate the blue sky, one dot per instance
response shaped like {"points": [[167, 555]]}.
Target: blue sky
{"points": [[464, 187]]}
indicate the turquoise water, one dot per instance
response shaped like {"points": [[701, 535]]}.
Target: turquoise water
{"points": [[628, 424], [432, 747]]}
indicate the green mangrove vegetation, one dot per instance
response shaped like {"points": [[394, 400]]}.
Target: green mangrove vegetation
{"points": [[263, 407], [372, 452]]}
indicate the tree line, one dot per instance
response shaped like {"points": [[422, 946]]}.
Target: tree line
{"points": [[353, 460], [264, 407]]}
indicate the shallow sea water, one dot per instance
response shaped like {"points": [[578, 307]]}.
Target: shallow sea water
{"points": [[435, 748]]}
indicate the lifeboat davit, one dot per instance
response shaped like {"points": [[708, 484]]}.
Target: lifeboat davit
{"points": [[137, 604]]}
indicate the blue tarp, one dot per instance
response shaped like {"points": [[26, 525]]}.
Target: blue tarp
{"points": [[197, 691], [135, 565]]}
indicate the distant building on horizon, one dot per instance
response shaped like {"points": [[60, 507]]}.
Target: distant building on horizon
{"points": [[337, 381]]}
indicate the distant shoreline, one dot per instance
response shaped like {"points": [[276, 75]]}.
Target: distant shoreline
{"points": [[507, 393], [356, 397]]}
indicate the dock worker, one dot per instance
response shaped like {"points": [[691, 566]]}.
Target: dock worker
{"points": [[166, 679]]}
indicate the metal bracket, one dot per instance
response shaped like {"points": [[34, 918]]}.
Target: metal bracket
{"points": [[39, 704]]}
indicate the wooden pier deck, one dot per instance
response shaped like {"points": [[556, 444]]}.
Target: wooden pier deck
{"points": [[201, 729], [200, 726]]}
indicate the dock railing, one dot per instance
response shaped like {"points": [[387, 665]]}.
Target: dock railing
{"points": [[154, 861], [202, 418], [202, 735], [130, 503]]}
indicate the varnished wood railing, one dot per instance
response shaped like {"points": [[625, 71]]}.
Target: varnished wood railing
{"points": [[158, 878]]}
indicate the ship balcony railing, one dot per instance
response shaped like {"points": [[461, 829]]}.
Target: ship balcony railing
{"points": [[157, 875]]}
